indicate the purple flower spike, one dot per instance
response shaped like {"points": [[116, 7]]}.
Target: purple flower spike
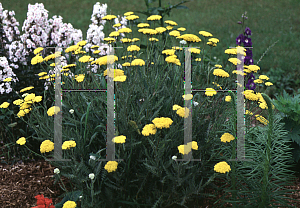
{"points": [[247, 42], [247, 31], [249, 53], [251, 85], [240, 39]]}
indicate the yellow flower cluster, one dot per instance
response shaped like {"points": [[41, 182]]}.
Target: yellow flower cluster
{"points": [[133, 48], [185, 149], [132, 17], [138, 62], [222, 167], [113, 74], [84, 59], [182, 112], [21, 141], [109, 17], [53, 110], [174, 33], [143, 25], [119, 139], [111, 166], [210, 92], [154, 17], [46, 146], [38, 50], [68, 144], [36, 59], [125, 30], [160, 29], [220, 73], [170, 22], [173, 59], [189, 38], [80, 77], [226, 137], [103, 60], [205, 34]]}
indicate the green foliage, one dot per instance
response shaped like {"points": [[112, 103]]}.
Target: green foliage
{"points": [[289, 108]]}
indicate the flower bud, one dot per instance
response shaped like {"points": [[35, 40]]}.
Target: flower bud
{"points": [[92, 176], [174, 157], [71, 111], [56, 171]]}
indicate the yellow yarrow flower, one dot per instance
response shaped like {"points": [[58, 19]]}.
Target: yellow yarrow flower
{"points": [[185, 149], [69, 204], [250, 95], [214, 40], [268, 83], [111, 166], [160, 29], [4, 105], [169, 27], [37, 50], [194, 50], [263, 77], [119, 139], [36, 59], [198, 59], [177, 48], [189, 38], [80, 77], [176, 107], [116, 72], [132, 17], [72, 48], [148, 31], [117, 25], [210, 92], [253, 68], [128, 14], [143, 25], [29, 97], [120, 78], [174, 33], [205, 34], [154, 17], [110, 40], [81, 43], [219, 66], [125, 30], [181, 29], [235, 61], [220, 73], [183, 112], [137, 62], [222, 167], [226, 137], [126, 64], [26, 89], [114, 34], [8, 79], [172, 59], [84, 59], [21, 141], [68, 144], [168, 52], [46, 146], [18, 102], [133, 48], [109, 17], [94, 46], [228, 98], [162, 122], [53, 110], [170, 22], [187, 97], [149, 129]]}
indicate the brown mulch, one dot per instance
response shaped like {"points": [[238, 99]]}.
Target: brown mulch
{"points": [[21, 182]]}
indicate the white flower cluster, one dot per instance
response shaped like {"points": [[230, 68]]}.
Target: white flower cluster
{"points": [[6, 72], [61, 33], [10, 26]]}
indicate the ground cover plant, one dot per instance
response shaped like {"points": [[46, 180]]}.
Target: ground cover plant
{"points": [[150, 113]]}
